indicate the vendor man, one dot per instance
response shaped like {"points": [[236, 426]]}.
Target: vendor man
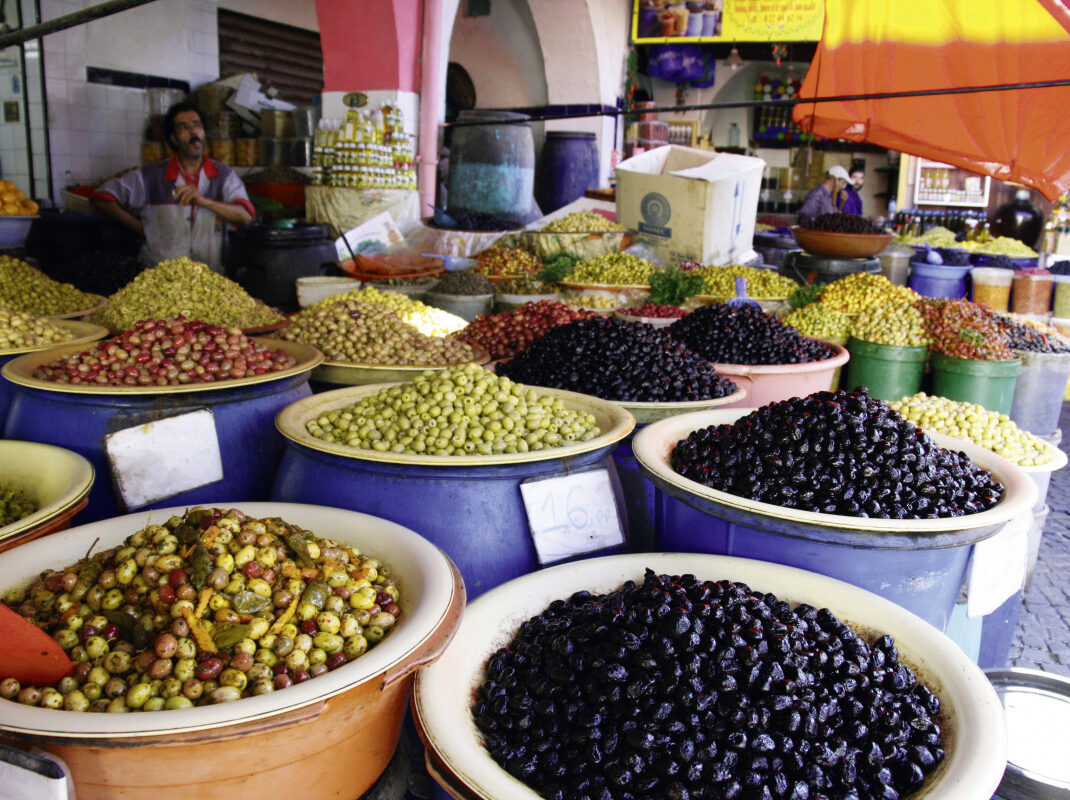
{"points": [[825, 198], [180, 206]]}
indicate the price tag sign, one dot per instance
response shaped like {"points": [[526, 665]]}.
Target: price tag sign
{"points": [[163, 458], [572, 514]]}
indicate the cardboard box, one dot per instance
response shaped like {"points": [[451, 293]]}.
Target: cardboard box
{"points": [[693, 205]]}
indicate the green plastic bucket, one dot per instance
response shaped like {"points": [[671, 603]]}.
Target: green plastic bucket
{"points": [[891, 372], [988, 383]]}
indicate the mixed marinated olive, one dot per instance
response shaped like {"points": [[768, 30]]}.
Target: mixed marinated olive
{"points": [[209, 607], [14, 505]]}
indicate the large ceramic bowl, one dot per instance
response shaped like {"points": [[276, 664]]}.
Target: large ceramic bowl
{"points": [[652, 412], [654, 444], [770, 383], [348, 373], [58, 480], [841, 245], [328, 737], [971, 717], [614, 422]]}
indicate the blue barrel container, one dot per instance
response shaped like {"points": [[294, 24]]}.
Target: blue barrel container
{"points": [[918, 569], [475, 513], [569, 167], [938, 280], [244, 415], [643, 501], [492, 166], [81, 333]]}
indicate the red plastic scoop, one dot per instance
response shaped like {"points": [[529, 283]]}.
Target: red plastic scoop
{"points": [[28, 653]]}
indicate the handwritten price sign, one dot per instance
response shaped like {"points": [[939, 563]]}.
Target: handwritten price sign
{"points": [[572, 514]]}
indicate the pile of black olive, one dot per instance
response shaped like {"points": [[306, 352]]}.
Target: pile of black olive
{"points": [[836, 453], [680, 689], [1027, 338], [729, 334], [843, 223], [617, 360], [97, 272]]}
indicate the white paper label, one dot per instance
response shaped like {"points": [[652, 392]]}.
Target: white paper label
{"points": [[161, 459], [572, 514], [997, 567]]}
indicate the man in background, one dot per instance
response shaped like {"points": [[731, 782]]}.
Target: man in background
{"points": [[180, 206], [825, 198], [853, 203]]}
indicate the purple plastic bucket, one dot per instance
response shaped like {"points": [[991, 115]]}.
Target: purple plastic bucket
{"points": [[938, 280]]}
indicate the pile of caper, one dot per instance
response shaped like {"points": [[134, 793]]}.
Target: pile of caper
{"points": [[182, 287], [524, 286], [597, 302], [763, 283], [367, 333], [460, 411], [581, 222], [426, 319], [819, 321], [23, 288], [206, 608], [901, 325], [617, 269], [990, 429], [20, 330], [14, 505], [862, 290]]}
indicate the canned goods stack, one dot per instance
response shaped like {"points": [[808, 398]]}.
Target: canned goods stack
{"points": [[367, 150]]}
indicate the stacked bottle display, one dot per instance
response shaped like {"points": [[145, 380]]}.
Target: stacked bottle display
{"points": [[915, 222], [366, 150]]}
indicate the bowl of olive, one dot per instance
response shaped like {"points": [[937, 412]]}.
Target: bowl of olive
{"points": [[294, 681]]}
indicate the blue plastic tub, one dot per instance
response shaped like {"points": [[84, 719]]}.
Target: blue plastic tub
{"points": [[938, 280], [243, 415], [471, 507], [919, 566]]}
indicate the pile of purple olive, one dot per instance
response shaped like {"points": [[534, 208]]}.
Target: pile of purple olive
{"points": [[686, 689], [617, 360], [843, 223], [836, 453], [729, 334]]}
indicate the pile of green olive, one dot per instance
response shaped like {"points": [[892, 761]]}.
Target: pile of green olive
{"points": [[182, 287], [618, 269], [369, 333], [426, 319], [582, 222], [461, 411], [207, 608], [14, 505], [24, 288], [20, 330]]}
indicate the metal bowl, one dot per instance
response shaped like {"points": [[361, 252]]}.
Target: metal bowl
{"points": [[841, 245]]}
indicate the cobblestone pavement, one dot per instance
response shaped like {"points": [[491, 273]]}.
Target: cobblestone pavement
{"points": [[1042, 639]]}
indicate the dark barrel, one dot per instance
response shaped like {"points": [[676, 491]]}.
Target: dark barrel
{"points": [[568, 168]]}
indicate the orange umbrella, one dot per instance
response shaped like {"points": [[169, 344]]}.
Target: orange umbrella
{"points": [[876, 46]]}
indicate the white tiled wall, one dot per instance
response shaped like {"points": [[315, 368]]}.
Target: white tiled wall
{"points": [[14, 165], [96, 130]]}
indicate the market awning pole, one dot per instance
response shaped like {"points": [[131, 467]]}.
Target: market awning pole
{"points": [[787, 101], [69, 21]]}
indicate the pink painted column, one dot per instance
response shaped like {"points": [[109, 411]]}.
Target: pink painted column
{"points": [[392, 45]]}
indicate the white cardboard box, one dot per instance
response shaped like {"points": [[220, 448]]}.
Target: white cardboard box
{"points": [[694, 205]]}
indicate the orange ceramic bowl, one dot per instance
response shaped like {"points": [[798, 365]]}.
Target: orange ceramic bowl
{"points": [[841, 245], [328, 737]]}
